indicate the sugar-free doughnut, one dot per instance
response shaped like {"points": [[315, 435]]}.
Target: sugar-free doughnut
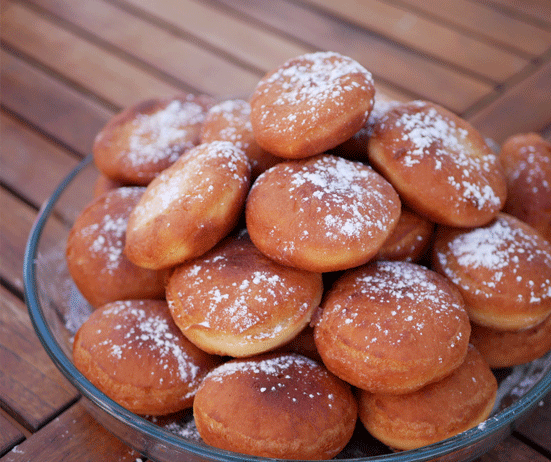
{"points": [[144, 139], [310, 104], [392, 327], [134, 353], [510, 348], [439, 164], [321, 214], [95, 257], [503, 271], [526, 159], [230, 120], [409, 240], [235, 301], [189, 207], [458, 402], [276, 405]]}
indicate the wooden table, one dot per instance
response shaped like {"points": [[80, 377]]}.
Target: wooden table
{"points": [[69, 65]]}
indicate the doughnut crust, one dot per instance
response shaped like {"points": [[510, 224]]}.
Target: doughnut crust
{"points": [[392, 327], [230, 120], [237, 302], [439, 164], [95, 257], [510, 348], [503, 271], [321, 214], [526, 159], [144, 139], [189, 207], [276, 405], [456, 403], [134, 353], [310, 104]]}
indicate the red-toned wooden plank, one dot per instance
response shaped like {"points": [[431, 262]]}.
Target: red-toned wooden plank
{"points": [[10, 435], [512, 449], [537, 427]]}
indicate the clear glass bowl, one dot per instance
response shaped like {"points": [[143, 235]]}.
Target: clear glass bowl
{"points": [[57, 309]]}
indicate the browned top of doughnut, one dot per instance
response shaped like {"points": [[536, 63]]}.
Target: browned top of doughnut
{"points": [[142, 140], [325, 211], [311, 103], [439, 164], [392, 327], [276, 405], [503, 270], [240, 300]]}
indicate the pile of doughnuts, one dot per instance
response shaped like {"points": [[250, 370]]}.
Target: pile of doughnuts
{"points": [[311, 259]]}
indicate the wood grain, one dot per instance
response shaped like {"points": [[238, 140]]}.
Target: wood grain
{"points": [[10, 435]]}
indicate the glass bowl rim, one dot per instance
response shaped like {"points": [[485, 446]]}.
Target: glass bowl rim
{"points": [[463, 440]]}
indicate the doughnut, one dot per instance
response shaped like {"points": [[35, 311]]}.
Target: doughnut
{"points": [[321, 214], [142, 140], [409, 240], [503, 271], [275, 405], [95, 252], [310, 104], [235, 301], [134, 353], [512, 348], [458, 402], [104, 184], [392, 327], [230, 120], [526, 159], [439, 164], [189, 207]]}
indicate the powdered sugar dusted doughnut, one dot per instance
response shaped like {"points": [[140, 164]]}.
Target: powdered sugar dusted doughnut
{"points": [[460, 401], [230, 120], [321, 214], [189, 207], [95, 256], [134, 353], [280, 405], [439, 164], [392, 327], [526, 159], [310, 104], [235, 301], [503, 271], [141, 141]]}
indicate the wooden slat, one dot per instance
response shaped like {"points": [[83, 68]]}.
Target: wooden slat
{"points": [[182, 59], [94, 68], [511, 449], [31, 164], [539, 11], [59, 110], [73, 436], [390, 63], [31, 387], [9, 435], [427, 36], [487, 23], [524, 107], [541, 432]]}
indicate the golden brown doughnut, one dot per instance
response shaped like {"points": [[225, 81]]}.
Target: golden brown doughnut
{"points": [[104, 184], [144, 139], [458, 402], [310, 104], [189, 207], [439, 164], [276, 405], [95, 257], [134, 353], [321, 214], [526, 159], [230, 120], [511, 348], [503, 271], [237, 302], [392, 327], [409, 240]]}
